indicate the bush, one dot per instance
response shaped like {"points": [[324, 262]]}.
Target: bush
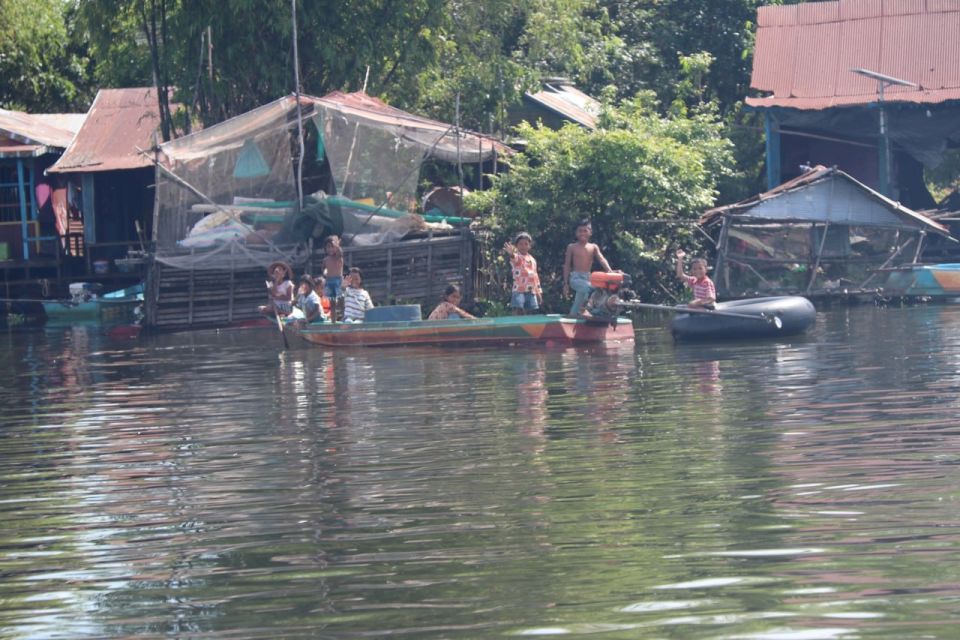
{"points": [[642, 179]]}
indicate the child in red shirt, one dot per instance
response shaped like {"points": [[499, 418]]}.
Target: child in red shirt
{"points": [[704, 293]]}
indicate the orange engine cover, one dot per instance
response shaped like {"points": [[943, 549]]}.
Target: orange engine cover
{"points": [[611, 280]]}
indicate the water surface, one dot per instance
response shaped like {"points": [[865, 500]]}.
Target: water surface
{"points": [[212, 485]]}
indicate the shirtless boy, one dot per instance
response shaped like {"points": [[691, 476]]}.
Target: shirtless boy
{"points": [[577, 263]]}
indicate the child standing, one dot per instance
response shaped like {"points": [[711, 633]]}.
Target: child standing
{"points": [[577, 264], [333, 267], [356, 300], [527, 295], [449, 307], [704, 293], [279, 289]]}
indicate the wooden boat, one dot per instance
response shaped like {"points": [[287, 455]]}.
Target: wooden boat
{"points": [[924, 280], [509, 329], [752, 318], [116, 307]]}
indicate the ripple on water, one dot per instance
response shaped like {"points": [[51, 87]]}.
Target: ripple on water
{"points": [[209, 485]]}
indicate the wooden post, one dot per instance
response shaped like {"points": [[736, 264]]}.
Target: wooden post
{"points": [[389, 273], [190, 290], [24, 233], [723, 269], [232, 285], [816, 264], [430, 264], [921, 236]]}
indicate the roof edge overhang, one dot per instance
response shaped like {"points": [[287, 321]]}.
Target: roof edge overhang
{"points": [[807, 180]]}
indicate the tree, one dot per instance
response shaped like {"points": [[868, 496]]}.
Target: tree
{"points": [[636, 177], [492, 52], [39, 71]]}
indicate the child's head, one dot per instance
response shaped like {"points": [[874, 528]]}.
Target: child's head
{"points": [[278, 271], [452, 294], [524, 242], [331, 246], [319, 283], [698, 267], [583, 230], [354, 277], [306, 284]]}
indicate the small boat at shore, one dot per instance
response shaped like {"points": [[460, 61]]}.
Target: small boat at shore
{"points": [[924, 280], [550, 329], [115, 307], [751, 318]]}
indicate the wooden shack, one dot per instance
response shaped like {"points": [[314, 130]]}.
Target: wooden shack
{"points": [[822, 233]]}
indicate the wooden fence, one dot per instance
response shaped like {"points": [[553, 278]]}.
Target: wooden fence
{"points": [[410, 271]]}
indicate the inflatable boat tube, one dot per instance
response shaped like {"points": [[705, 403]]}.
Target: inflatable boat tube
{"points": [[796, 315]]}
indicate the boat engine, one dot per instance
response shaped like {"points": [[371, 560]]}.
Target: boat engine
{"points": [[608, 289]]}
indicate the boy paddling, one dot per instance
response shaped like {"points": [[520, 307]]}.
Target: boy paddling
{"points": [[577, 264]]}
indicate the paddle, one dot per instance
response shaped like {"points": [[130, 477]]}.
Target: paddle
{"points": [[763, 317], [276, 314], [283, 334]]}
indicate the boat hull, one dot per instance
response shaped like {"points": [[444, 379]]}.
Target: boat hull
{"points": [[796, 314], [512, 329], [933, 280], [114, 308]]}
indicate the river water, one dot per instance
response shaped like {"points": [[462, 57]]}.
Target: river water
{"points": [[212, 485]]}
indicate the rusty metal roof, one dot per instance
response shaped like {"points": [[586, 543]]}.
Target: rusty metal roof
{"points": [[54, 130], [119, 122], [804, 52], [808, 208], [568, 102]]}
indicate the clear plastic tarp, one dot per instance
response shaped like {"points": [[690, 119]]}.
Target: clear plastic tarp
{"points": [[236, 182]]}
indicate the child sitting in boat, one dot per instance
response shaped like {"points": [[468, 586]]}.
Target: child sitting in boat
{"points": [[527, 295], [704, 293], [309, 306], [279, 289], [356, 300], [449, 308], [333, 267]]}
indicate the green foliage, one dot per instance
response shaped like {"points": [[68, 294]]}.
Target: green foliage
{"points": [[642, 179], [226, 57], [491, 52], [944, 179], [39, 71]]}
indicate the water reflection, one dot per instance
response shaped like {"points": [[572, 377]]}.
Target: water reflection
{"points": [[213, 485]]}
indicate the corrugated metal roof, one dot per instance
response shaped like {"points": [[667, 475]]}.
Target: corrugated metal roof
{"points": [[51, 130], [852, 202], [568, 102], [119, 122], [804, 52], [8, 150]]}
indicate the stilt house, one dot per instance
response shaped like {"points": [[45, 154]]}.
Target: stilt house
{"points": [[821, 233], [869, 86]]}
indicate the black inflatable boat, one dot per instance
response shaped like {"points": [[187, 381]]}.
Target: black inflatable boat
{"points": [[752, 318]]}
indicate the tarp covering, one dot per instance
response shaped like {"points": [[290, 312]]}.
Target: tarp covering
{"points": [[235, 182]]}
